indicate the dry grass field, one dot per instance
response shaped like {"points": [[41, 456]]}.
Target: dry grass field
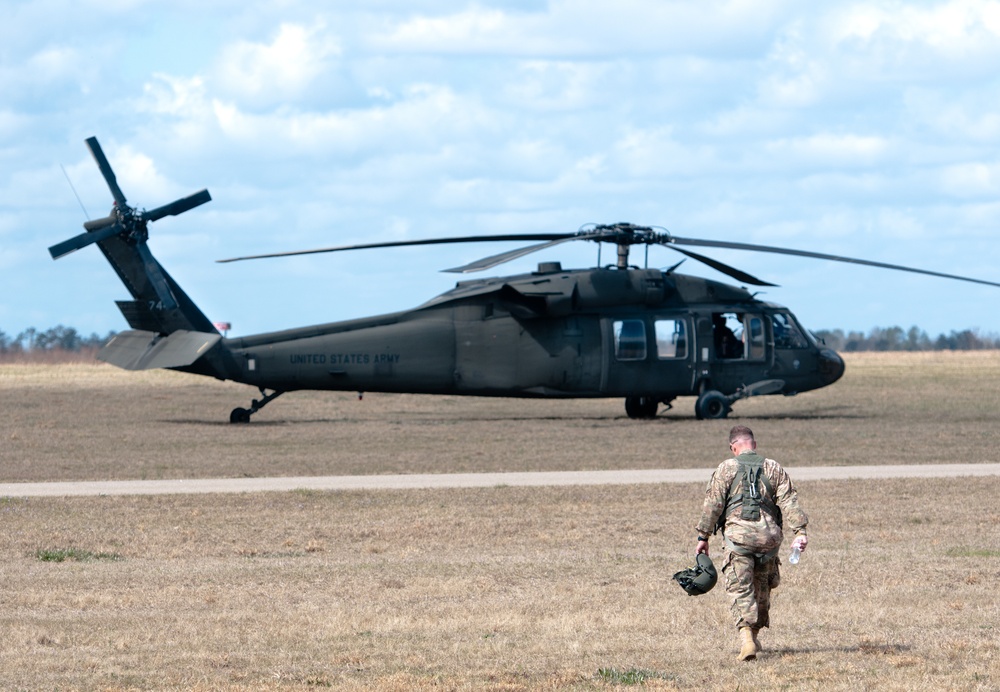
{"points": [[496, 588]]}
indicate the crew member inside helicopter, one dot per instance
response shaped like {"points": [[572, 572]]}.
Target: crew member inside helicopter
{"points": [[727, 344]]}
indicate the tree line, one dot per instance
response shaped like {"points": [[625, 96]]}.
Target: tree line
{"points": [[912, 339], [68, 340], [57, 339]]}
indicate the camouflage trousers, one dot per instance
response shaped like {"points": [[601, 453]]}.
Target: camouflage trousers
{"points": [[749, 583]]}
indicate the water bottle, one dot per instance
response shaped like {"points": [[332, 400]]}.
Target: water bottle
{"points": [[793, 559]]}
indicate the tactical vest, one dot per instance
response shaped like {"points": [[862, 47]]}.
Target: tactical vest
{"points": [[745, 492]]}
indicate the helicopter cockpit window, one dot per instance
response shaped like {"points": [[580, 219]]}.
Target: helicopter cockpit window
{"points": [[671, 339], [727, 331], [786, 332], [630, 339]]}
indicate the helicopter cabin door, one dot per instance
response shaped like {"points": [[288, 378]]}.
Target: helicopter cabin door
{"points": [[648, 356], [733, 349]]}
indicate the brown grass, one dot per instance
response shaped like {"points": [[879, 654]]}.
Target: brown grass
{"points": [[86, 356], [498, 588], [92, 421]]}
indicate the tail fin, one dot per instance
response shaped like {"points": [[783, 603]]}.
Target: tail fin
{"points": [[160, 309]]}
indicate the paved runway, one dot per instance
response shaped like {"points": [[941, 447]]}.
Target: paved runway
{"points": [[467, 480]]}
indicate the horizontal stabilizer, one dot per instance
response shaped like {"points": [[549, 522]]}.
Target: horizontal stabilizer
{"points": [[141, 350]]}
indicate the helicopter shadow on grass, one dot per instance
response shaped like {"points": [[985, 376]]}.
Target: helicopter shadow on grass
{"points": [[828, 413], [399, 421], [203, 422]]}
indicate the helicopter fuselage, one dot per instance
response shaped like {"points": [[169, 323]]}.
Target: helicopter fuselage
{"points": [[636, 333]]}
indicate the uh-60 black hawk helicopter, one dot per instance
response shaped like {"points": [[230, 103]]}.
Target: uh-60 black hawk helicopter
{"points": [[646, 335]]}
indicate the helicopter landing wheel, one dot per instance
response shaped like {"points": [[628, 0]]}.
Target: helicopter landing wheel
{"points": [[712, 405], [242, 415], [239, 415], [641, 407]]}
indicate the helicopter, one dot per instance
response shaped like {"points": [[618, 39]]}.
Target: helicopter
{"points": [[642, 334]]}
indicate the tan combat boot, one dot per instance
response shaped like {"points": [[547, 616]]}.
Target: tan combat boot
{"points": [[748, 650], [756, 642]]}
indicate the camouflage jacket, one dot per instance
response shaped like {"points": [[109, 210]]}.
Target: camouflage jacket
{"points": [[764, 534]]}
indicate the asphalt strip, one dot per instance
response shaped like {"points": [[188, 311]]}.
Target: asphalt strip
{"points": [[468, 480]]}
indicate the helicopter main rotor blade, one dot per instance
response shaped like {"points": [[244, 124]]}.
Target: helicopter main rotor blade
{"points": [[106, 171], [83, 240], [735, 273], [817, 255], [178, 206], [404, 243], [494, 260]]}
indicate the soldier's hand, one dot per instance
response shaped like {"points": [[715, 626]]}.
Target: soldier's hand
{"points": [[801, 542], [702, 547]]}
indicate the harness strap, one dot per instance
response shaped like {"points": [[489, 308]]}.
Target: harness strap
{"points": [[744, 494]]}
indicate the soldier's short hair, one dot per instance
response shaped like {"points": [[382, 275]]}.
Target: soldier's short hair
{"points": [[740, 432]]}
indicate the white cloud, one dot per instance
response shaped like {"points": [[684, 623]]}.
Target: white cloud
{"points": [[825, 149], [44, 73], [971, 180], [276, 72], [587, 28], [547, 85], [53, 62], [841, 128], [954, 30], [178, 97], [12, 122], [794, 78], [655, 152], [473, 26], [424, 118], [956, 114]]}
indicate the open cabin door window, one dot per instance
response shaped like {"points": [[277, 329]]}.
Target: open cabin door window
{"points": [[738, 336]]}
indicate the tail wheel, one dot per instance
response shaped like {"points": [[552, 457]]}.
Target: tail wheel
{"points": [[641, 407], [712, 405], [240, 415]]}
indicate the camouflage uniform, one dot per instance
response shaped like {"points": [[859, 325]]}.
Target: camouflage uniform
{"points": [[750, 569]]}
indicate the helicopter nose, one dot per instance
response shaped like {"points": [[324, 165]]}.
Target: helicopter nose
{"points": [[831, 365]]}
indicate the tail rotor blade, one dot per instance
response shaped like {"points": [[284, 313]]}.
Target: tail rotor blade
{"points": [[98, 224], [83, 240], [106, 171], [179, 206]]}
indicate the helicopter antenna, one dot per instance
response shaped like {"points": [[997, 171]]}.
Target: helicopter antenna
{"points": [[671, 269], [71, 187]]}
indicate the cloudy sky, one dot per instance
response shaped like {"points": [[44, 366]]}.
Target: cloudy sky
{"points": [[868, 129]]}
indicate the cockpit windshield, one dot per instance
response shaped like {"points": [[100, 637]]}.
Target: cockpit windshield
{"points": [[787, 334]]}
